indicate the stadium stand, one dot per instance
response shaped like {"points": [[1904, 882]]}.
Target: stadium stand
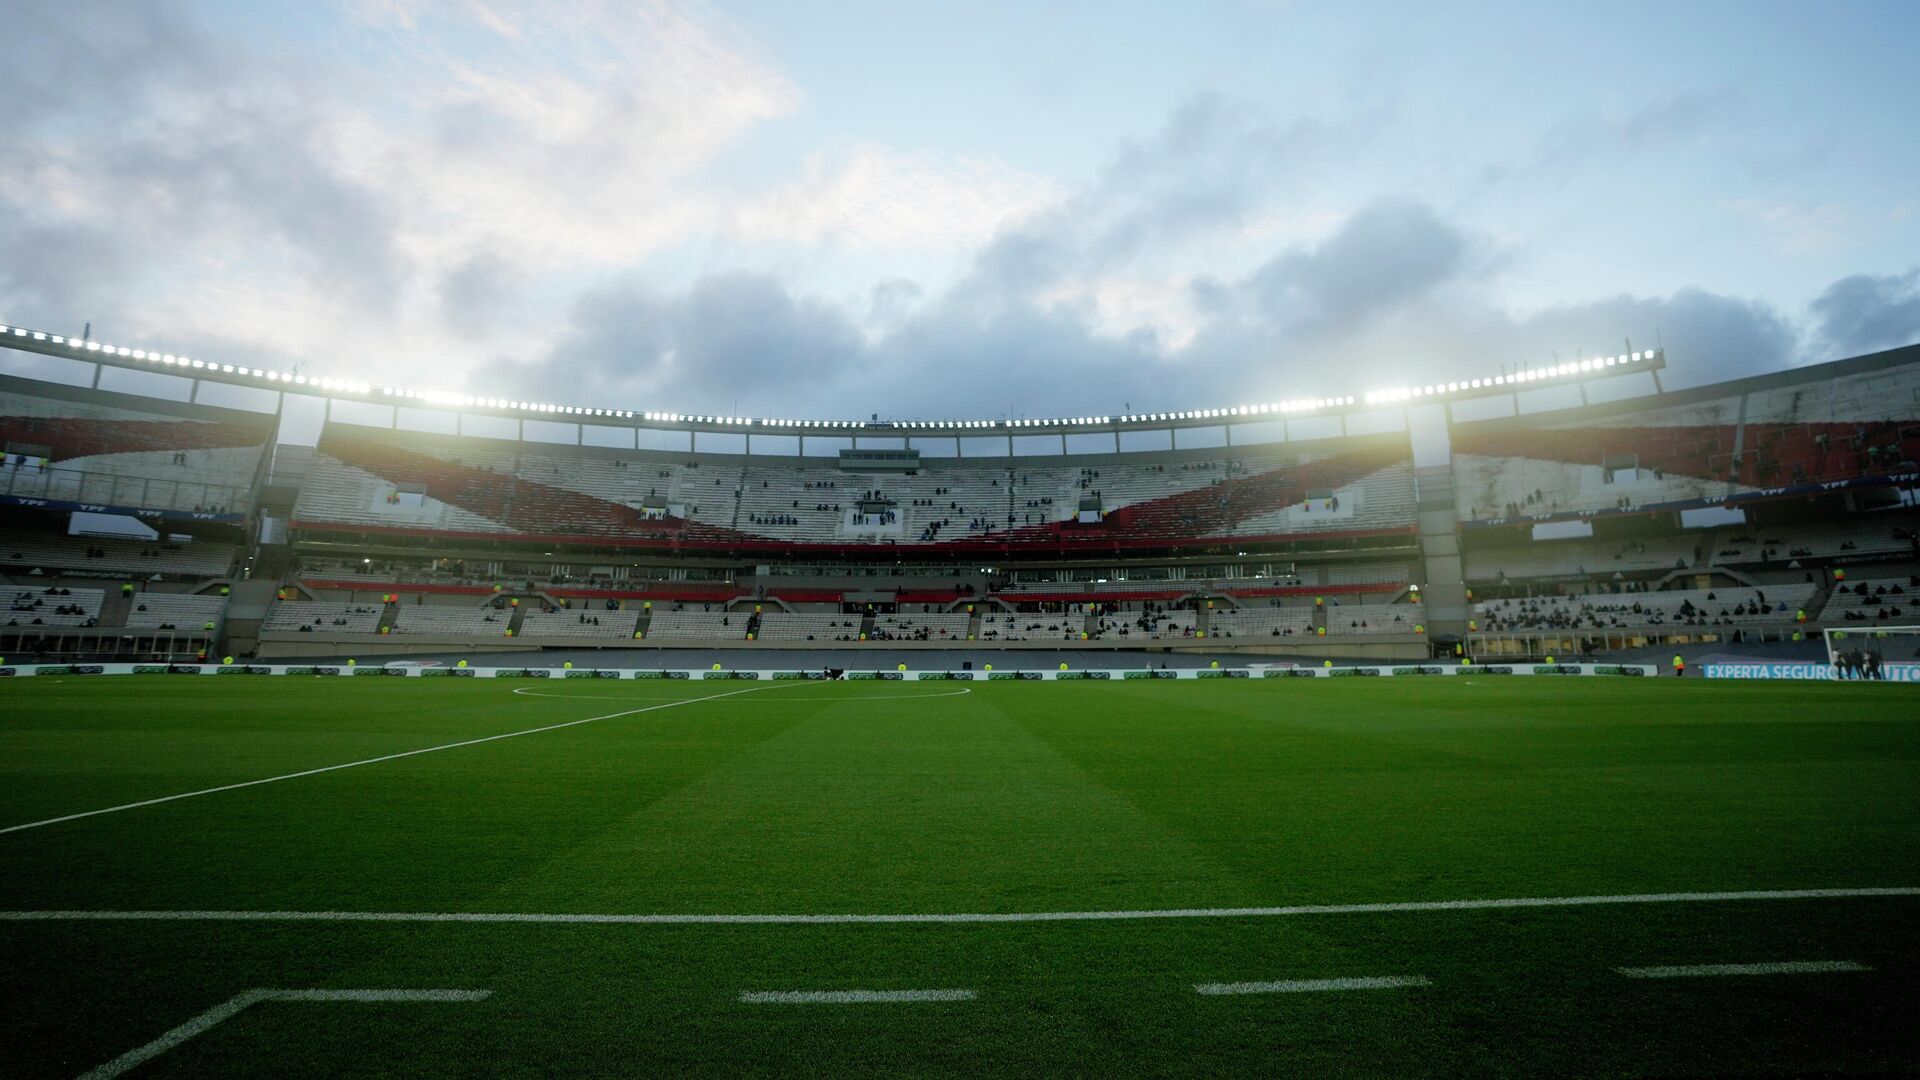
{"points": [[1262, 622], [451, 621], [175, 611], [1728, 606], [810, 626], [1771, 436], [378, 479], [1875, 601], [924, 627], [1149, 626], [1812, 542], [115, 449], [696, 626], [579, 624], [322, 617], [1021, 627], [89, 555], [1553, 559], [51, 606], [1357, 620]]}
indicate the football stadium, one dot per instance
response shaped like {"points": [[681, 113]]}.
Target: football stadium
{"points": [[731, 540], [763, 762]]}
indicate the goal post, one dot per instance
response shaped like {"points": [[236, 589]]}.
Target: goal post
{"points": [[1898, 647]]}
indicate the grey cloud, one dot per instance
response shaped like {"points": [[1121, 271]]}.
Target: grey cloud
{"points": [[732, 337], [1214, 163], [1390, 298], [75, 58], [61, 272], [1386, 255], [1707, 336], [1867, 312], [475, 295], [185, 137]]}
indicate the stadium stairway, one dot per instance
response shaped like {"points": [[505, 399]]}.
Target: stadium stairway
{"points": [[645, 622], [1817, 603], [518, 616], [389, 614], [114, 608], [866, 626]]}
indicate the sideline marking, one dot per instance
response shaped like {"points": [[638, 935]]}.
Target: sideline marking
{"points": [[365, 761], [225, 1011], [1308, 986], [1790, 967], [850, 997], [561, 918], [528, 691]]}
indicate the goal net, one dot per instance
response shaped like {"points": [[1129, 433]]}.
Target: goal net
{"points": [[1852, 652]]}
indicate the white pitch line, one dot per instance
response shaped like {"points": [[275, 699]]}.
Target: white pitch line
{"points": [[365, 761], [528, 691], [1310, 986], [563, 918], [226, 1010], [850, 997], [1790, 967]]}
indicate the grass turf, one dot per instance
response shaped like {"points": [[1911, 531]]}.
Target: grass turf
{"points": [[883, 798]]}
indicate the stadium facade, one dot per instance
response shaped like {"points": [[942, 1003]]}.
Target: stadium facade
{"points": [[1768, 508]]}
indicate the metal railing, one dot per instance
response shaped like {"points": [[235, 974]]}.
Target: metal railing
{"points": [[78, 485]]}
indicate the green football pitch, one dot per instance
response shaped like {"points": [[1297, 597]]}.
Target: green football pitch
{"points": [[1227, 877]]}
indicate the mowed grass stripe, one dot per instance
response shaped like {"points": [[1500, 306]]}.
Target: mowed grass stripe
{"points": [[365, 761], [128, 739], [946, 804]]}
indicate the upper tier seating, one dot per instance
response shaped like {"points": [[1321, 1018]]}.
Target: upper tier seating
{"points": [[1368, 574], [84, 555], [1784, 544], [178, 611], [92, 453], [368, 477], [61, 606], [1840, 429], [583, 623], [1584, 558], [322, 617]]}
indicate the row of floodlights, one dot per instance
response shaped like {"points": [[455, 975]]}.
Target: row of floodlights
{"points": [[444, 399], [170, 360], [1519, 378], [466, 401]]}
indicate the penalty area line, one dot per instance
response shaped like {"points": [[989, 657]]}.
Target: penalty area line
{"points": [[850, 997], [366, 761], [564, 918], [1312, 986], [1788, 967], [231, 1007]]}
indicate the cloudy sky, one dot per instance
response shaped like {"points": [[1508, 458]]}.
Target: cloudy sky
{"points": [[943, 209]]}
